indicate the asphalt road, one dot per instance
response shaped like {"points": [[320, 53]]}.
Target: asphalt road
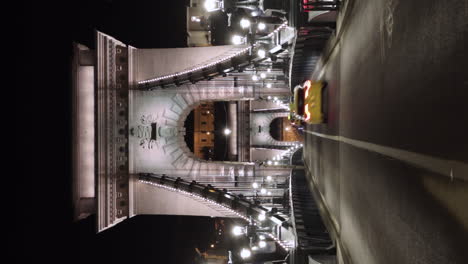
{"points": [[391, 163]]}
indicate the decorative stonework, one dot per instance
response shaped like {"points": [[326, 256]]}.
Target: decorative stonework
{"points": [[143, 130], [112, 126], [169, 109]]}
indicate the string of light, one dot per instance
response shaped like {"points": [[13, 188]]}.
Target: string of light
{"points": [[212, 63], [277, 29], [285, 246], [196, 68], [197, 196]]}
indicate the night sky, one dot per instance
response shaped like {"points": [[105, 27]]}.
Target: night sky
{"points": [[43, 227]]}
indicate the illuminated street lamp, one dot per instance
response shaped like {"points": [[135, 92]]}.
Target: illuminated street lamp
{"points": [[261, 244], [255, 185], [237, 40], [227, 131], [237, 230], [211, 5], [245, 253], [263, 75], [245, 23], [261, 53], [261, 217], [261, 26], [268, 178], [263, 191], [254, 77]]}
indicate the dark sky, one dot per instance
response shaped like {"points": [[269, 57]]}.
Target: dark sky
{"points": [[144, 239], [142, 24], [44, 32]]}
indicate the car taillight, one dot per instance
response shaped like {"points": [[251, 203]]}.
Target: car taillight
{"points": [[306, 112]]}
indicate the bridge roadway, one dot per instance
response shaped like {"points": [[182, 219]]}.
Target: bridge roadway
{"points": [[391, 164]]}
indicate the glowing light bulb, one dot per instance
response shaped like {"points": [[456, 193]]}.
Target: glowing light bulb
{"points": [[261, 217], [237, 230], [245, 253], [261, 53], [236, 39], [210, 5], [245, 23], [261, 26]]}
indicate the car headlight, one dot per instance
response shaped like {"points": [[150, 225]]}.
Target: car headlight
{"points": [[306, 112]]}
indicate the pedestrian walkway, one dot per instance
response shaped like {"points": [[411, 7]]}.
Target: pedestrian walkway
{"points": [[312, 238]]}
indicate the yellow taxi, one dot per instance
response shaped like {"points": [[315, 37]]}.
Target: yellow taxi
{"points": [[296, 106], [313, 102], [308, 103]]}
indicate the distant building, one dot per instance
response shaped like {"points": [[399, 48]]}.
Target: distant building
{"points": [[213, 256], [198, 28], [204, 137]]}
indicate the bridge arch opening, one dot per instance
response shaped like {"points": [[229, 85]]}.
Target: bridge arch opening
{"points": [[282, 130], [208, 131]]}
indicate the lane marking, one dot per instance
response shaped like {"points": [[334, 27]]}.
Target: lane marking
{"points": [[449, 168]]}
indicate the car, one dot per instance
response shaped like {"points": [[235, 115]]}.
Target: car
{"points": [[295, 115], [307, 105]]}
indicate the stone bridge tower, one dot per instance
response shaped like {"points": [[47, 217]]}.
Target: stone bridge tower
{"points": [[132, 103]]}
